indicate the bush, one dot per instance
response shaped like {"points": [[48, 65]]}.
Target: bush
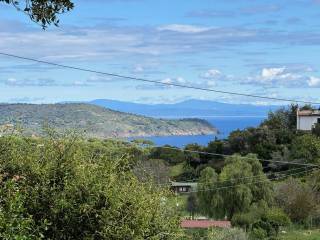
{"points": [[306, 148], [277, 218], [68, 188], [227, 234], [258, 234], [316, 130], [297, 199]]}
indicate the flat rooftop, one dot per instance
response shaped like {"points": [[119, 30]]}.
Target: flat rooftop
{"points": [[309, 113]]}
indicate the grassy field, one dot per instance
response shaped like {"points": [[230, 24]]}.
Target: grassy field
{"points": [[301, 235], [176, 170]]}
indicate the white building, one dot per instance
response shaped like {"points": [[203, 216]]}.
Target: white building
{"points": [[306, 119]]}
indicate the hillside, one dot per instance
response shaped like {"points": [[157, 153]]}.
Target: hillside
{"points": [[97, 121], [189, 108]]}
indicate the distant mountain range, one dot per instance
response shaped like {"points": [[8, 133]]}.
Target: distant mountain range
{"points": [[189, 108], [97, 121]]}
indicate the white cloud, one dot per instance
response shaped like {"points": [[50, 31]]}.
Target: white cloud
{"points": [[138, 69], [183, 28], [102, 79], [314, 82], [181, 80], [167, 81], [212, 74], [11, 81], [211, 83], [178, 80], [280, 76], [80, 84], [207, 83], [270, 73], [40, 82]]}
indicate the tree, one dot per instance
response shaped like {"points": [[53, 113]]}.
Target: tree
{"points": [[261, 141], [70, 188], [247, 219], [296, 198], [261, 221], [170, 154], [306, 148], [43, 12], [277, 218], [239, 198], [210, 200], [313, 181], [14, 222], [155, 170], [193, 158], [316, 130], [249, 184], [240, 184], [284, 118], [192, 204]]}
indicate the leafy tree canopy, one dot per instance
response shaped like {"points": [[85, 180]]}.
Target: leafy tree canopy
{"points": [[69, 188], [43, 12], [297, 199], [240, 184], [306, 148]]}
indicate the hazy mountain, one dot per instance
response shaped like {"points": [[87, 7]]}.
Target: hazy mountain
{"points": [[189, 108], [97, 121]]}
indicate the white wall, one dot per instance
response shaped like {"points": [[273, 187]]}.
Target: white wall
{"points": [[306, 123]]}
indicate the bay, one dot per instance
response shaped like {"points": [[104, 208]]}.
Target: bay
{"points": [[225, 125]]}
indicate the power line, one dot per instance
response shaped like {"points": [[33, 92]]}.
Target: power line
{"points": [[252, 177], [225, 155], [244, 157], [232, 186], [155, 81]]}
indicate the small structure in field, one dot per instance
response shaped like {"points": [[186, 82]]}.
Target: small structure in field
{"points": [[196, 224], [183, 187], [307, 119]]}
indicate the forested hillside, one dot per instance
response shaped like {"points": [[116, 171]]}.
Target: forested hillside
{"points": [[96, 121]]}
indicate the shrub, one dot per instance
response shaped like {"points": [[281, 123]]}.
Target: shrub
{"points": [[69, 188], [227, 234], [258, 234], [297, 199]]}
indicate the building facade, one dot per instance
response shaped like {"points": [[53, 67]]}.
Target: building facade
{"points": [[183, 187], [307, 119]]}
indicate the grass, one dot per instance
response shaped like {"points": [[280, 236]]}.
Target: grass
{"points": [[301, 235], [179, 202], [176, 170]]}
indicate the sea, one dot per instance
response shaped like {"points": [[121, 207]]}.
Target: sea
{"points": [[225, 125]]}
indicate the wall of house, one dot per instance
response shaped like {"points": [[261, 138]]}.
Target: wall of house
{"points": [[306, 123]]}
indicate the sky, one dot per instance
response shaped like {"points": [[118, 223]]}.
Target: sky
{"points": [[263, 47]]}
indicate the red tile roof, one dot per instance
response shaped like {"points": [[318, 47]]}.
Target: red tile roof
{"points": [[205, 224]]}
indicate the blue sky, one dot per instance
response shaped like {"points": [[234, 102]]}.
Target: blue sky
{"points": [[269, 48]]}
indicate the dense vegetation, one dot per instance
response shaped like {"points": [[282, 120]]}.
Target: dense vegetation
{"points": [[276, 139], [95, 121], [70, 188], [258, 196]]}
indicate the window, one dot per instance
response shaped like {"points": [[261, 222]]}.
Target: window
{"points": [[318, 121]]}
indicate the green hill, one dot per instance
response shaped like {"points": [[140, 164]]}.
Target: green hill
{"points": [[96, 121]]}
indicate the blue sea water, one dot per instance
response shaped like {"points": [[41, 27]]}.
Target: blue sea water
{"points": [[225, 125]]}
